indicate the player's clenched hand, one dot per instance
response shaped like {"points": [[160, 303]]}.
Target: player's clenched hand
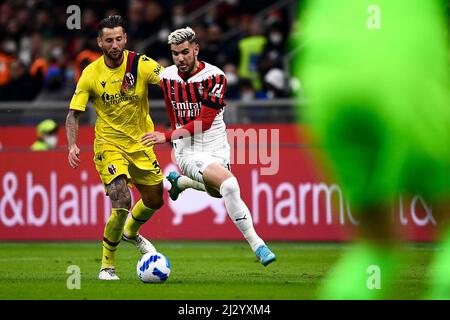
{"points": [[74, 156], [152, 138]]}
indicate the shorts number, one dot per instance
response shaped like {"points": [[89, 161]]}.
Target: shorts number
{"points": [[156, 166]]}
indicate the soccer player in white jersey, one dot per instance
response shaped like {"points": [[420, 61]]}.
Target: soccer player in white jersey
{"points": [[194, 94]]}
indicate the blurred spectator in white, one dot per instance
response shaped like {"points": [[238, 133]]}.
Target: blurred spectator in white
{"points": [[276, 84], [228, 33], [178, 16], [247, 93], [272, 55], [232, 81]]}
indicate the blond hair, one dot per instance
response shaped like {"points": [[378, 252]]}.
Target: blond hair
{"points": [[181, 35]]}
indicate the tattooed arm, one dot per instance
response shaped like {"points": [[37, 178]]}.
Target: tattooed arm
{"points": [[72, 124]]}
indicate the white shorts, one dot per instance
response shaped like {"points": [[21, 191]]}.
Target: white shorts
{"points": [[194, 164]]}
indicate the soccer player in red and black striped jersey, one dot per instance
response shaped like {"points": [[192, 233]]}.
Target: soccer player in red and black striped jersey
{"points": [[194, 93]]}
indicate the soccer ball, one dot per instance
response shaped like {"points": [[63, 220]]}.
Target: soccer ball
{"points": [[153, 267]]}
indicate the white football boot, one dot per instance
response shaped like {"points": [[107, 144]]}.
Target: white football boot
{"points": [[108, 274], [141, 243]]}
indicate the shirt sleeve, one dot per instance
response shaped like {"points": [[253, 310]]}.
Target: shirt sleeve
{"points": [[80, 97], [150, 69], [214, 91]]}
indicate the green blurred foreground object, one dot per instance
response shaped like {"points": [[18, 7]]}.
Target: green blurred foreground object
{"points": [[375, 73]]}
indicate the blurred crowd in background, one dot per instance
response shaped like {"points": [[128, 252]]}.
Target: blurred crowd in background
{"points": [[41, 58]]}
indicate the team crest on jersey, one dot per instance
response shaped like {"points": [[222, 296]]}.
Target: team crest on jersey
{"points": [[112, 169], [129, 78], [128, 84]]}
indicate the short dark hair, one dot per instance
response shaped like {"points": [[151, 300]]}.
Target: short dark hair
{"points": [[110, 22]]}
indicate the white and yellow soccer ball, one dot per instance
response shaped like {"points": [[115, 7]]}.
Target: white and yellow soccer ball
{"points": [[153, 267]]}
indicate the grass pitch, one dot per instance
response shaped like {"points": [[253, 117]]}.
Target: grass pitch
{"points": [[200, 271]]}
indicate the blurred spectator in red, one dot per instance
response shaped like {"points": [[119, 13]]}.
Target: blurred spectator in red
{"points": [[6, 12], [39, 64], [21, 86], [39, 68], [7, 55], [89, 54], [226, 31]]}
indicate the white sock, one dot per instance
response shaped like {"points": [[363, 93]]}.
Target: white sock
{"points": [[186, 182], [238, 212]]}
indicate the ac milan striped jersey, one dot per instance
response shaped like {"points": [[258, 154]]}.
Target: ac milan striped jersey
{"points": [[185, 97]]}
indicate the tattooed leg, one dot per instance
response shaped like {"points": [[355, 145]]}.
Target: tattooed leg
{"points": [[121, 202]]}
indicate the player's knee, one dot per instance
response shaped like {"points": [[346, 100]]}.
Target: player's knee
{"points": [[118, 193], [121, 199], [230, 186], [153, 202], [124, 201], [213, 193]]}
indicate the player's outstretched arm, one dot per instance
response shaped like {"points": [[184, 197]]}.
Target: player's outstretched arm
{"points": [[201, 124], [151, 138], [72, 124]]}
